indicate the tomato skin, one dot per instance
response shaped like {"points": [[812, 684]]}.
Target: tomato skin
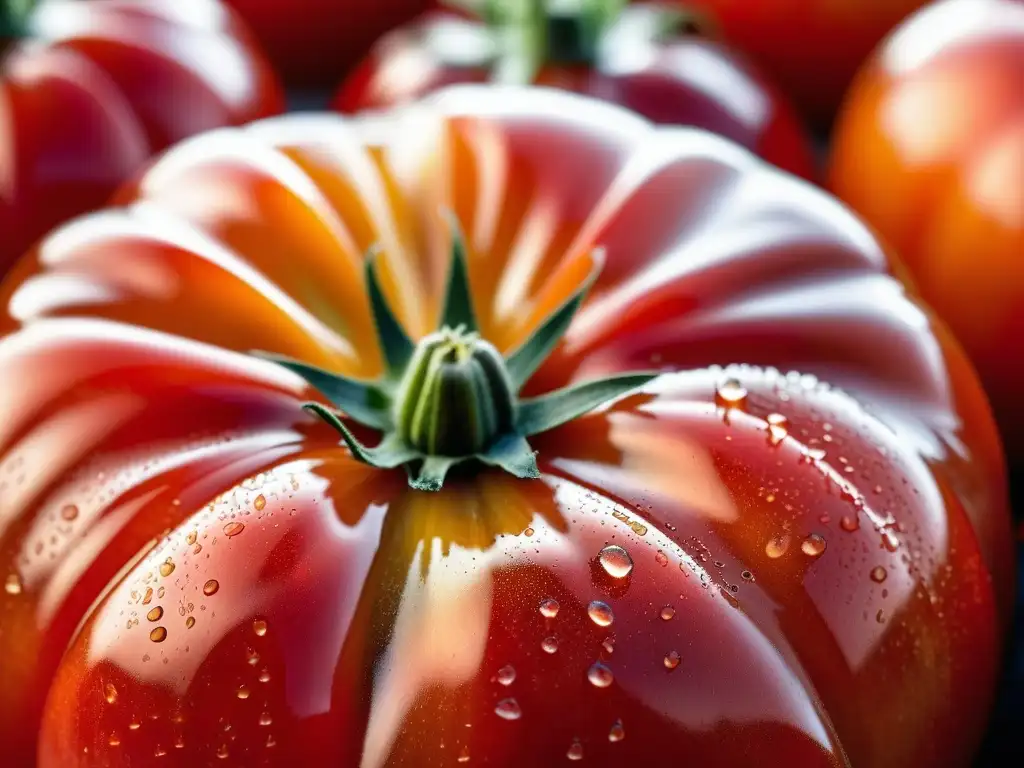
{"points": [[682, 80], [315, 42], [99, 87], [811, 48], [948, 192], [355, 621]]}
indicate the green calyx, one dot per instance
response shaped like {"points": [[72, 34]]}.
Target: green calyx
{"points": [[14, 15], [535, 32], [452, 397]]}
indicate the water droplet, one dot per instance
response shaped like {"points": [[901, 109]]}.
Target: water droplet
{"points": [[575, 751], [617, 732], [600, 613], [190, 622], [211, 587], [148, 597], [849, 524], [880, 616], [464, 755], [12, 586], [243, 692], [114, 740], [599, 675], [549, 607], [778, 428], [155, 614], [528, 532], [878, 574], [609, 645], [813, 545], [191, 538], [661, 558], [158, 635], [260, 502], [134, 726], [252, 657], [259, 627], [616, 561], [671, 660], [747, 576], [264, 676], [110, 693], [159, 751], [667, 613], [271, 741], [266, 719], [549, 644], [222, 752], [166, 567], [508, 709], [507, 675], [731, 394], [233, 528], [890, 542], [777, 546], [69, 512]]}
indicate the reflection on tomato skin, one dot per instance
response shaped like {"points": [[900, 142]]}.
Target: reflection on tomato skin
{"points": [[948, 192], [814, 543]]}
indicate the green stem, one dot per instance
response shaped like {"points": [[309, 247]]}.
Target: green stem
{"points": [[14, 16]]}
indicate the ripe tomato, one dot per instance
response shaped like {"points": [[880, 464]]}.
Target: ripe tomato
{"points": [[647, 58], [930, 150], [812, 48], [802, 558], [314, 42], [97, 87]]}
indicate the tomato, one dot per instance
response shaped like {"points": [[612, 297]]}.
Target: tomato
{"points": [[782, 550], [648, 58], [314, 42], [812, 48], [930, 150], [97, 87]]}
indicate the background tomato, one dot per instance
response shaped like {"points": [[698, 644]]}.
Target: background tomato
{"points": [[97, 87], [314, 42], [818, 570], [812, 48], [649, 60], [930, 150]]}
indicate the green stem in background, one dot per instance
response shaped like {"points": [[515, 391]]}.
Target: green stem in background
{"points": [[452, 398], [14, 16]]}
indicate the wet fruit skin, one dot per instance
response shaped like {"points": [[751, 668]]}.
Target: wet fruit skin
{"points": [[316, 611], [948, 192], [315, 42], [683, 79], [811, 48], [96, 88]]}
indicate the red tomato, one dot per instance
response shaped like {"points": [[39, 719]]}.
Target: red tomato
{"points": [[98, 87], [814, 556], [671, 77], [314, 42], [812, 48], [930, 150]]}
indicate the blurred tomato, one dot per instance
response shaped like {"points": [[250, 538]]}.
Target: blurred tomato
{"points": [[811, 48], [930, 150], [803, 560], [314, 42], [95, 88], [647, 58]]}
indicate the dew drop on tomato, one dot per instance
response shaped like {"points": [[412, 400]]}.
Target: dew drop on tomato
{"points": [[69, 512], [778, 428], [12, 586], [667, 612], [777, 546], [266, 719], [155, 614], [233, 529], [849, 524], [110, 693], [731, 394], [549, 644], [617, 732], [464, 755], [661, 558], [167, 567], [506, 675], [599, 675], [813, 545], [158, 635], [600, 613], [243, 692], [616, 561], [259, 627], [878, 574], [549, 608], [508, 709], [575, 751], [671, 660], [211, 587]]}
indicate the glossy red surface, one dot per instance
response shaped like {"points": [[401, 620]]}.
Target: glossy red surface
{"points": [[812, 48], [948, 191], [98, 87], [819, 540], [676, 79], [315, 42]]}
